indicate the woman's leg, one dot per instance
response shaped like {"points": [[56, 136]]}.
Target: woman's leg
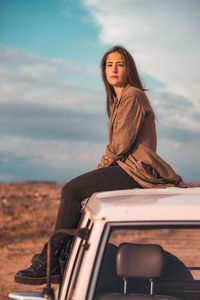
{"points": [[75, 191], [81, 187]]}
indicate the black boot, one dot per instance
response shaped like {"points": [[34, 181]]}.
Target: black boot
{"points": [[36, 273], [65, 255]]}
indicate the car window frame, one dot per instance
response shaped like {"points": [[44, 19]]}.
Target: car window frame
{"points": [[104, 239], [82, 247]]}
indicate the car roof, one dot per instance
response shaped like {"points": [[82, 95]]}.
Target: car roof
{"points": [[169, 204]]}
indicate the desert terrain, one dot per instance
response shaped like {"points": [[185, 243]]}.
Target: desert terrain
{"points": [[27, 216]]}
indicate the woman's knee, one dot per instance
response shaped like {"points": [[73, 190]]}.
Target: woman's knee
{"points": [[67, 191], [70, 190]]}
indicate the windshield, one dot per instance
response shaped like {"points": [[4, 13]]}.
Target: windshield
{"points": [[180, 269]]}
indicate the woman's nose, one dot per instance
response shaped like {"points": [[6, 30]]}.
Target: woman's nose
{"points": [[115, 69]]}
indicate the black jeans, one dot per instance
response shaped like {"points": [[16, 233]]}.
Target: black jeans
{"points": [[81, 187]]}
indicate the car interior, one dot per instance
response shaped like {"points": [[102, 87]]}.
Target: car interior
{"points": [[144, 271]]}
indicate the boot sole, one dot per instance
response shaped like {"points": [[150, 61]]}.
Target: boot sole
{"points": [[37, 281]]}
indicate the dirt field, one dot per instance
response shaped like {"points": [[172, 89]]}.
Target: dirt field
{"points": [[27, 217]]}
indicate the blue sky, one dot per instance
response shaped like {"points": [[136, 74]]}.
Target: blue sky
{"points": [[52, 101]]}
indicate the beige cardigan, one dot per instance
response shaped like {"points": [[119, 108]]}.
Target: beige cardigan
{"points": [[132, 142]]}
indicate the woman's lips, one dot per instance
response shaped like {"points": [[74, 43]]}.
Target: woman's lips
{"points": [[114, 76]]}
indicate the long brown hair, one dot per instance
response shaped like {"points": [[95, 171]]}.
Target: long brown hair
{"points": [[131, 75]]}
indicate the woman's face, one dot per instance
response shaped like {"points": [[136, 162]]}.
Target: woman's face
{"points": [[115, 69]]}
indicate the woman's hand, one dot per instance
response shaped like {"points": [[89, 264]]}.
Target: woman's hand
{"points": [[105, 162]]}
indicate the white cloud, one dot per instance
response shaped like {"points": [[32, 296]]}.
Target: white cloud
{"points": [[175, 111], [58, 154], [49, 118], [36, 100], [26, 77], [183, 157], [162, 36], [54, 95]]}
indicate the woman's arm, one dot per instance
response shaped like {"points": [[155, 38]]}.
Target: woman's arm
{"points": [[130, 115]]}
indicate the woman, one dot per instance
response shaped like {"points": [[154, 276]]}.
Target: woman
{"points": [[130, 159]]}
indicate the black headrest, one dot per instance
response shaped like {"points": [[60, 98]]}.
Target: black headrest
{"points": [[139, 260]]}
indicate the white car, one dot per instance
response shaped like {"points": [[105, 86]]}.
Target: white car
{"points": [[133, 244]]}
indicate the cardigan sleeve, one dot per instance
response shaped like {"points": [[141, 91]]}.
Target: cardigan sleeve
{"points": [[130, 115]]}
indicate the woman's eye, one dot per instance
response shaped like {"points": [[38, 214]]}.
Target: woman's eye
{"points": [[119, 65]]}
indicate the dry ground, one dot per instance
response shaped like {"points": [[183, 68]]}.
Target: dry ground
{"points": [[27, 216]]}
